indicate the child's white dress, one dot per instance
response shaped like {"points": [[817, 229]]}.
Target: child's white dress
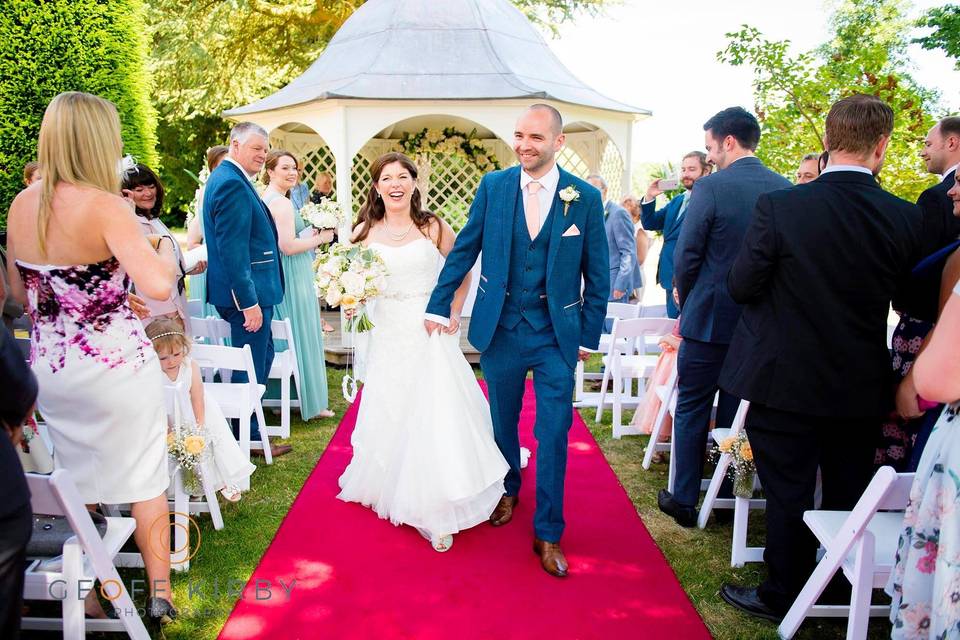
{"points": [[229, 466]]}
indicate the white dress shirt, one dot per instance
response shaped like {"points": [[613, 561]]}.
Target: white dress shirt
{"points": [[846, 167], [548, 189]]}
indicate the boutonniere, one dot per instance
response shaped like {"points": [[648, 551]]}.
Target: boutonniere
{"points": [[568, 194]]}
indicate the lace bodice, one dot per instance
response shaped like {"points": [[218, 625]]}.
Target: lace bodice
{"points": [[82, 310], [411, 269]]}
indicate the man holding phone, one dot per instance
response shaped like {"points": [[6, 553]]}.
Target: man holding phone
{"points": [[668, 219]]}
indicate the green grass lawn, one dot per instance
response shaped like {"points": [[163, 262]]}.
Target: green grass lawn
{"points": [[699, 558]]}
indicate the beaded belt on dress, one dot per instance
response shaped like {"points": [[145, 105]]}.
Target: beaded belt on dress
{"points": [[398, 295]]}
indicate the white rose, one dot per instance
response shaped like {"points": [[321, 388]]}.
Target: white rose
{"points": [[353, 283], [323, 279], [333, 295], [333, 266]]}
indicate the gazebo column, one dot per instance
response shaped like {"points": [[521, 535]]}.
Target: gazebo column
{"points": [[344, 164], [626, 181]]}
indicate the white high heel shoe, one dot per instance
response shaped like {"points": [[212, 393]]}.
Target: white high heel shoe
{"points": [[440, 544]]}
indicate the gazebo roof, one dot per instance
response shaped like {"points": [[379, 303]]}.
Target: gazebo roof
{"points": [[430, 50]]}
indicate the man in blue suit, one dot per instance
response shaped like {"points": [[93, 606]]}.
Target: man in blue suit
{"points": [[721, 206], [621, 246], [668, 220], [244, 277], [540, 230]]}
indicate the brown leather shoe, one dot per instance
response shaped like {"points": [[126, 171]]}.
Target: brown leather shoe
{"points": [[275, 450], [504, 511], [551, 557]]}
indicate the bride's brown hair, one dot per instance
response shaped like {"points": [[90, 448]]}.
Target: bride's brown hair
{"points": [[373, 209]]}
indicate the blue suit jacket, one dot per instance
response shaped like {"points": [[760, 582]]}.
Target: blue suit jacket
{"points": [[243, 264], [577, 320], [665, 221], [720, 209], [622, 247]]}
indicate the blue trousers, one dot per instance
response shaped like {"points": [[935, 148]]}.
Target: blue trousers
{"points": [[505, 363], [698, 370], [673, 311], [261, 347]]}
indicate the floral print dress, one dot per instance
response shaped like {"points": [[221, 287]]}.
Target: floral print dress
{"points": [[925, 584], [101, 388]]}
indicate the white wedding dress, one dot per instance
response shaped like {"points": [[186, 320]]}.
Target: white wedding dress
{"points": [[423, 447]]}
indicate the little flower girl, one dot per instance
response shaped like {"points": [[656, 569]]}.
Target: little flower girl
{"points": [[230, 467]]}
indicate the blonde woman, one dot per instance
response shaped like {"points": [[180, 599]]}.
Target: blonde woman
{"points": [[74, 247]]}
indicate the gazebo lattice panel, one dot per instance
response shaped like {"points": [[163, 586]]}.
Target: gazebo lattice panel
{"points": [[453, 183], [317, 161], [573, 162], [611, 169]]}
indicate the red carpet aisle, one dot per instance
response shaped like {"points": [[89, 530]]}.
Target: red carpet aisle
{"points": [[360, 577]]}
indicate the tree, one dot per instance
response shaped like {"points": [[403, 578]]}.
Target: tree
{"points": [[210, 55], [866, 54], [50, 47], [945, 22]]}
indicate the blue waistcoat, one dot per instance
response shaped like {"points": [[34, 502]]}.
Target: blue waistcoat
{"points": [[527, 280]]}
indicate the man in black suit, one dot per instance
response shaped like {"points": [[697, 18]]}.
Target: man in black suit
{"points": [[720, 208], [816, 273], [18, 393], [941, 155]]}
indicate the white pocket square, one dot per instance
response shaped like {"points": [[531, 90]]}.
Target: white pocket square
{"points": [[571, 231]]}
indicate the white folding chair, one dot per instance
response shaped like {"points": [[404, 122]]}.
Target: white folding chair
{"points": [[740, 553], [620, 369], [654, 311], [181, 500], [285, 367], [582, 397], [862, 543], [86, 558], [236, 399], [668, 405]]}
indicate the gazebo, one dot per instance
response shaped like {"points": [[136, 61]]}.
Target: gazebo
{"points": [[452, 75]]}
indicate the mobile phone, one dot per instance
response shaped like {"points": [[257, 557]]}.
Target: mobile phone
{"points": [[666, 184]]}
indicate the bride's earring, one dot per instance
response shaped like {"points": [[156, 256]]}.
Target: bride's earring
{"points": [[379, 196]]}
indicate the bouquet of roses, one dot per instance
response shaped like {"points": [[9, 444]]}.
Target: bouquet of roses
{"points": [[187, 445], [326, 215], [348, 275]]}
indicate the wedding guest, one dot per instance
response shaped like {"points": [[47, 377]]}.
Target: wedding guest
{"points": [[669, 219], [229, 467], [144, 189], [18, 394], [31, 173], [809, 168], [809, 351], [323, 188], [244, 280], [923, 586], [198, 281], [624, 271], [12, 309], [643, 241], [299, 195], [720, 209], [99, 380], [298, 241], [918, 304]]}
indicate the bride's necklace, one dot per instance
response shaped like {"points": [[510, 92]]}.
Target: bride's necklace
{"points": [[397, 237]]}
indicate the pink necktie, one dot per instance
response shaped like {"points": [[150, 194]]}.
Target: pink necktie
{"points": [[533, 209]]}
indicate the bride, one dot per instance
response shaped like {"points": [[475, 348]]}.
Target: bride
{"points": [[423, 447]]}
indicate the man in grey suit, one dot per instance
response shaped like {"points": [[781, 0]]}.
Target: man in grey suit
{"points": [[721, 206], [622, 245]]}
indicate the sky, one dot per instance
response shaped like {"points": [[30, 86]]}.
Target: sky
{"points": [[661, 56]]}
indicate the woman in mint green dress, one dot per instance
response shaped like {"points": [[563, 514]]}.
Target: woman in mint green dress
{"points": [[297, 246]]}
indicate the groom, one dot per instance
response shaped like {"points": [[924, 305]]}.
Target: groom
{"points": [[540, 230]]}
